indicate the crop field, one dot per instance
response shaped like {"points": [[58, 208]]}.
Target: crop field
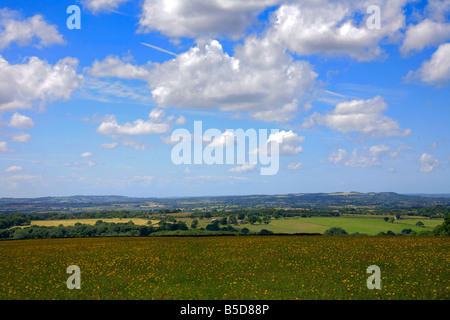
{"points": [[233, 267], [71, 222]]}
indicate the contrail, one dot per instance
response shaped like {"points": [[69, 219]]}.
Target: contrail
{"points": [[158, 48]]}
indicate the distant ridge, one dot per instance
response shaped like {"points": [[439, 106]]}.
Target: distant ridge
{"points": [[431, 195], [79, 203]]}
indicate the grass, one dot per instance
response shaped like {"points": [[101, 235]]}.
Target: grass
{"points": [[369, 225], [291, 225], [239, 267], [361, 225], [430, 223]]}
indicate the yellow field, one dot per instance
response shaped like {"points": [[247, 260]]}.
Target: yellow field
{"points": [[233, 267]]}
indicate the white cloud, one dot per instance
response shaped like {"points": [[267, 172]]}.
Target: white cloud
{"points": [[270, 86], [294, 165], [220, 141], [337, 156], [283, 114], [91, 163], [36, 82], [332, 27], [432, 30], [246, 167], [80, 165], [180, 120], [435, 71], [424, 34], [369, 157], [13, 169], [288, 142], [113, 66], [395, 154], [4, 147], [114, 91], [180, 18], [437, 9], [111, 145], [14, 28], [96, 6], [364, 116], [87, 154], [136, 145], [157, 115], [427, 163], [20, 121], [21, 137], [205, 77], [168, 139], [138, 127]]}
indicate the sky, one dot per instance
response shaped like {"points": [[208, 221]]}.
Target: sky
{"points": [[355, 94]]}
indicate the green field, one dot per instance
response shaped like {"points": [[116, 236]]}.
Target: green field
{"points": [[289, 225], [232, 267], [430, 223], [370, 225], [364, 225]]}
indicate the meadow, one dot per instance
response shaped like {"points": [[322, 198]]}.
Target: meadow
{"points": [[226, 267], [369, 225]]}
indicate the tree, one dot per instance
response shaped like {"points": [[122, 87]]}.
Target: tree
{"points": [[443, 229], [245, 231], [182, 225], [419, 224], [386, 219], [194, 224], [228, 228], [266, 219], [214, 226], [406, 231], [252, 219], [335, 232]]}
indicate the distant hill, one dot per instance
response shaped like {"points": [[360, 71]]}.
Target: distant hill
{"points": [[82, 203]]}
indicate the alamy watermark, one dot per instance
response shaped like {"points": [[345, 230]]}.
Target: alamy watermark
{"points": [[374, 21], [74, 20], [374, 280], [74, 281], [236, 147]]}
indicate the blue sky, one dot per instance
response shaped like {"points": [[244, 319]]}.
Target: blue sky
{"points": [[91, 110]]}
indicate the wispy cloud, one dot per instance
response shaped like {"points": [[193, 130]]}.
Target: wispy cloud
{"points": [[159, 49]]}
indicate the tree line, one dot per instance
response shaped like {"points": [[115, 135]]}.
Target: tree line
{"points": [[79, 230]]}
